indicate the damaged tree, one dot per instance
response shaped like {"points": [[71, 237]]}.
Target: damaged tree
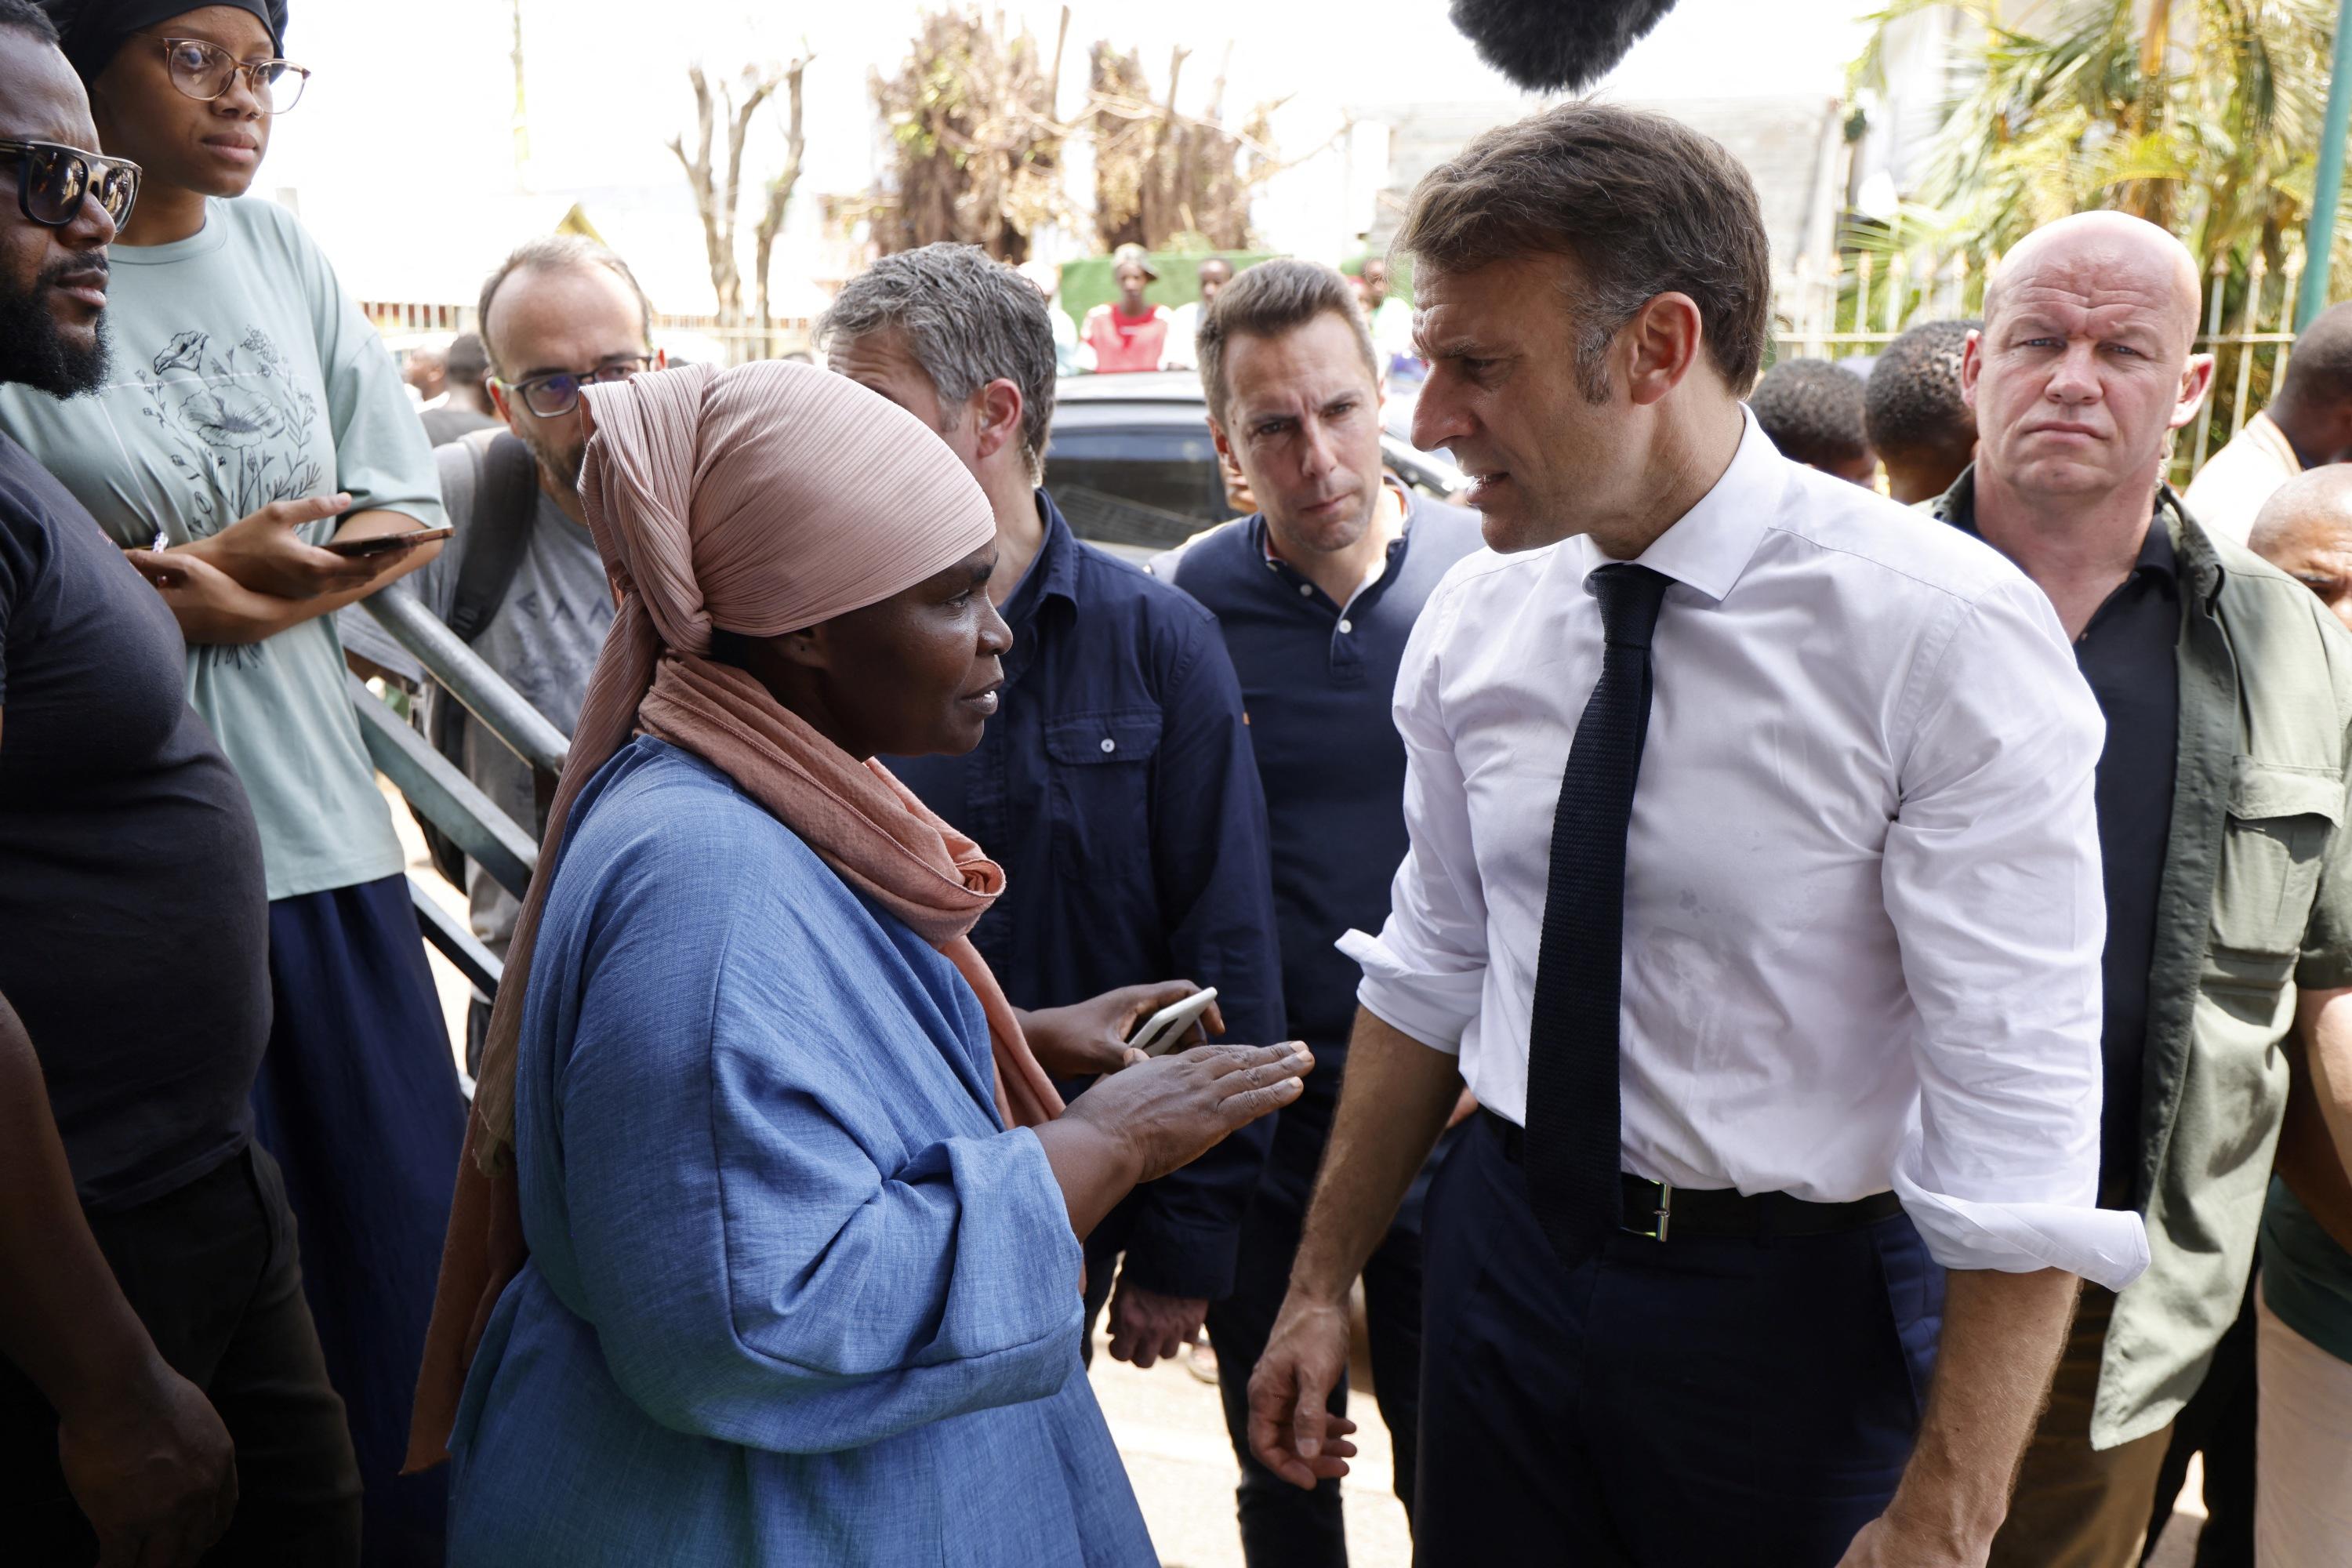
{"points": [[1163, 177], [718, 191], [979, 146]]}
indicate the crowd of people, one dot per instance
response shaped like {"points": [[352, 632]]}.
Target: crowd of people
{"points": [[1802, 1005]]}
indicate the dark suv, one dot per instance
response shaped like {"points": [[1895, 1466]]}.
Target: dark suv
{"points": [[1130, 460]]}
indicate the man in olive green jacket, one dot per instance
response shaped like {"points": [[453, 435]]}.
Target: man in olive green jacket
{"points": [[2228, 694]]}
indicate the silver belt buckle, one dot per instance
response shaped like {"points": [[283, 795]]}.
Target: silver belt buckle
{"points": [[1662, 1214]]}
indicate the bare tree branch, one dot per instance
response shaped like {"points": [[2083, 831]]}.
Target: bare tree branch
{"points": [[780, 189]]}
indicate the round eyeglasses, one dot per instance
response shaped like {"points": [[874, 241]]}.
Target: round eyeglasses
{"points": [[557, 393], [204, 71], [53, 180]]}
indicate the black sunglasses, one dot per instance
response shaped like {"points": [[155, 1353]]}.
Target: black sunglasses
{"points": [[52, 181], [558, 392]]}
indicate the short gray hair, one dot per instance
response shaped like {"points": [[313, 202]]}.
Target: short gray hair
{"points": [[968, 319], [558, 253], [1269, 299]]}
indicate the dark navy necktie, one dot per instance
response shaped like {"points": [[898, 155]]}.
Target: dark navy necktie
{"points": [[1572, 1129]]}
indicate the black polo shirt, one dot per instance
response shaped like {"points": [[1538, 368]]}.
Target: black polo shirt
{"points": [[2128, 654]]}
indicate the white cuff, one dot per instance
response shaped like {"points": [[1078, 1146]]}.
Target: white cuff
{"points": [[2107, 1246], [1433, 1008]]}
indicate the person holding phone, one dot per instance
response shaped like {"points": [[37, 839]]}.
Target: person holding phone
{"points": [[253, 416], [162, 1391], [771, 1239]]}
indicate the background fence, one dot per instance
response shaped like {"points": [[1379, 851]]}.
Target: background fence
{"points": [[687, 339], [1860, 302], [1849, 308]]}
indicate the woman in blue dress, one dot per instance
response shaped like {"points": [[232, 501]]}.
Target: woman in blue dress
{"points": [[801, 1216]]}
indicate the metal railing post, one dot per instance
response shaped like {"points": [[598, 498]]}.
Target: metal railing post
{"points": [[2327, 190]]}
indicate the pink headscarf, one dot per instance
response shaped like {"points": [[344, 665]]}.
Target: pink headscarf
{"points": [[762, 499]]}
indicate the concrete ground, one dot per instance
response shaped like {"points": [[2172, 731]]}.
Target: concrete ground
{"points": [[1172, 1429]]}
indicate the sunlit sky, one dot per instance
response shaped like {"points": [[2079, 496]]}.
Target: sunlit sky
{"points": [[400, 155]]}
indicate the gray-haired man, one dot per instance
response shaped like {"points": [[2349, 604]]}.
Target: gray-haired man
{"points": [[1115, 786]]}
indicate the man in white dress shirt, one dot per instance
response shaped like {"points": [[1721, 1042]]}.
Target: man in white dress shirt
{"points": [[1779, 987]]}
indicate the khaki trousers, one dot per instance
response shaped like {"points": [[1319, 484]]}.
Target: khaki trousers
{"points": [[2076, 1507], [2303, 1500]]}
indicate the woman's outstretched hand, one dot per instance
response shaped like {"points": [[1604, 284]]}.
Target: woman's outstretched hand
{"points": [[1170, 1109], [1161, 1115]]}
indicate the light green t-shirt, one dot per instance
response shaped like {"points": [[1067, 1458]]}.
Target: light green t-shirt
{"points": [[240, 373]]}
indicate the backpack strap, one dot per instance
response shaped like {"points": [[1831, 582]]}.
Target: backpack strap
{"points": [[505, 504], [506, 507]]}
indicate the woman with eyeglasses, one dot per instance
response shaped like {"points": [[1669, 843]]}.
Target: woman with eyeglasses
{"points": [[250, 416]]}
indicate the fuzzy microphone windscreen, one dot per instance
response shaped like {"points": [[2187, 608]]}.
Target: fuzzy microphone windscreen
{"points": [[1556, 46]]}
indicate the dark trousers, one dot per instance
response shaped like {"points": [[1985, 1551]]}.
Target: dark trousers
{"points": [[1703, 1400], [2218, 1423], [211, 1271], [358, 1098], [1283, 1525]]}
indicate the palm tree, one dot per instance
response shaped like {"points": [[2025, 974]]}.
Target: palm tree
{"points": [[2201, 115]]}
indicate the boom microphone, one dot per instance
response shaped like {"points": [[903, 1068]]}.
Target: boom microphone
{"points": [[1556, 46]]}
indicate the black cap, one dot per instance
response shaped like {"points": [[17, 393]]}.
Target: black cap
{"points": [[92, 31]]}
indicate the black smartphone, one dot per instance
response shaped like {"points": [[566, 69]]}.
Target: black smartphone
{"points": [[381, 543]]}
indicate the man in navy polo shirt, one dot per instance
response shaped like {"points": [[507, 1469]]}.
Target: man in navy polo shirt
{"points": [[1316, 596], [1115, 786]]}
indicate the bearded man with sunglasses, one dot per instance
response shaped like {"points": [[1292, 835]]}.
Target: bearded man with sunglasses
{"points": [[163, 1398], [254, 417]]}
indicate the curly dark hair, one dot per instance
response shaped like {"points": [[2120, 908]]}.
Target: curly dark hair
{"points": [[1812, 410], [1912, 408]]}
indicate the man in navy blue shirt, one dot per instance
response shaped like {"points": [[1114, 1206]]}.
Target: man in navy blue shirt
{"points": [[1316, 596], [1115, 786]]}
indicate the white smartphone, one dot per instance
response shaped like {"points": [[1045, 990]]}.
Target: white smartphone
{"points": [[1169, 1029]]}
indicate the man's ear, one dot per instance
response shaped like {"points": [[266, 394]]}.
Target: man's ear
{"points": [[999, 405], [1971, 366], [1225, 447], [2195, 380], [499, 399], [1665, 334]]}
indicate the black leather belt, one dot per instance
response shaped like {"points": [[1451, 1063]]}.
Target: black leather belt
{"points": [[1660, 1211]]}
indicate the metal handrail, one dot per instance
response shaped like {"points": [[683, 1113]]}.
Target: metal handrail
{"points": [[442, 793], [437, 789], [462, 673]]}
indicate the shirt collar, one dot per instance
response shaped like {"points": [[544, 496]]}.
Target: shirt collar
{"points": [[1405, 498], [2157, 555], [1709, 546], [2266, 433], [1381, 565], [1055, 573]]}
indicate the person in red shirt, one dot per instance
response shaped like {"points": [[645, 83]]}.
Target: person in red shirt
{"points": [[1127, 335]]}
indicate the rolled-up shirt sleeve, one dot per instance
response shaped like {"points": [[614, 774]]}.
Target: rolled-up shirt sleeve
{"points": [[1426, 971], [1991, 878]]}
